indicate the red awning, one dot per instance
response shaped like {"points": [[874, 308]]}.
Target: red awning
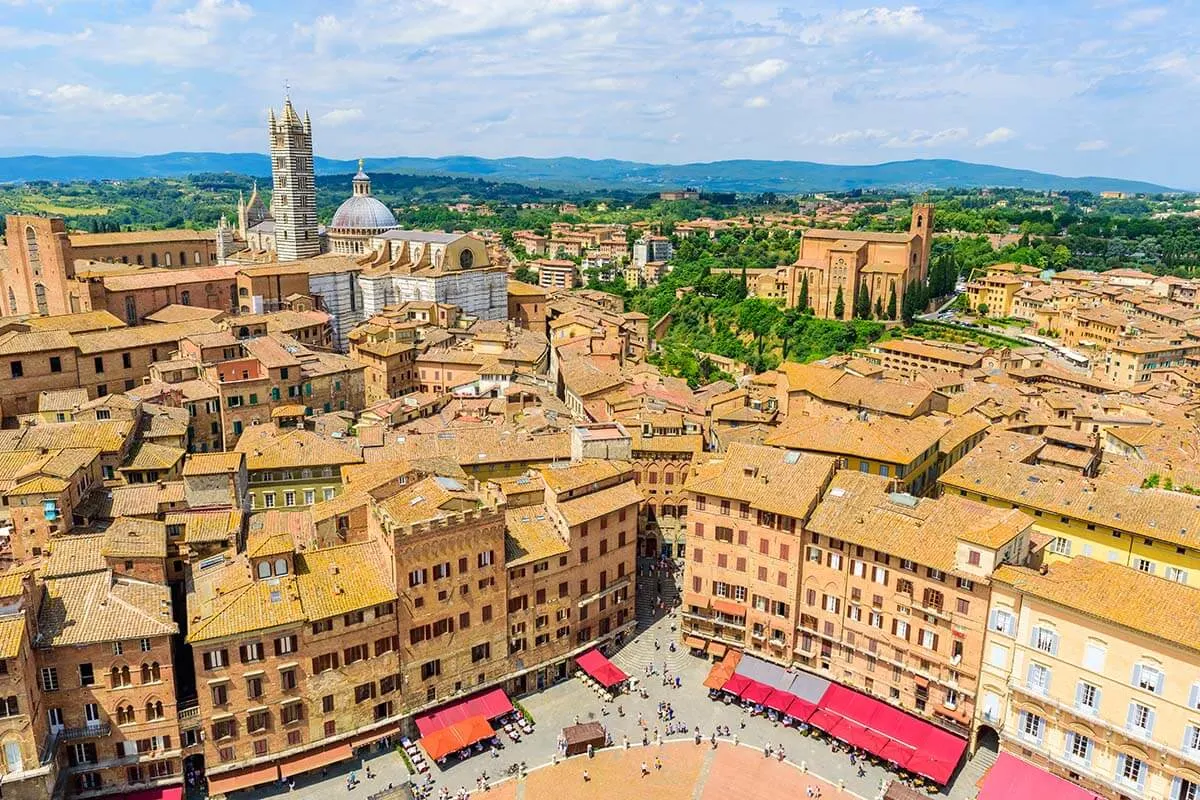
{"points": [[489, 705], [172, 793], [594, 663], [936, 752], [736, 684], [824, 719], [756, 692], [800, 709], [1011, 778], [442, 743], [728, 607], [364, 739], [896, 752], [779, 700], [243, 779], [315, 760]]}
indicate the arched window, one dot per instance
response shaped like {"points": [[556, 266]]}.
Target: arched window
{"points": [[264, 569], [196, 257], [141, 261], [920, 220], [185, 297], [281, 566], [243, 292], [145, 673], [12, 301], [155, 672], [183, 258], [115, 676], [31, 247], [125, 715], [126, 680], [154, 709], [167, 258], [39, 293], [130, 310], [154, 259]]}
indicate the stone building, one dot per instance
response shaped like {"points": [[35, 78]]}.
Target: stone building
{"points": [[294, 193], [37, 269]]}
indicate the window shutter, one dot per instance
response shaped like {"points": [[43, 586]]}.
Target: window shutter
{"points": [[1091, 746], [1121, 765], [1142, 775], [1159, 682], [1149, 723], [243, 653], [1137, 674], [994, 619], [1188, 732], [1029, 676], [1176, 787], [1054, 644], [1194, 696], [1068, 741], [1079, 694], [1096, 700], [1041, 732], [1033, 637], [208, 660], [1021, 715], [1129, 716]]}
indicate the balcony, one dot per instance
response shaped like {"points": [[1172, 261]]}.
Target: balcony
{"points": [[85, 732]]}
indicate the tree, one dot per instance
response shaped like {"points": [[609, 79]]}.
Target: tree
{"points": [[804, 292], [878, 308], [891, 306], [839, 305], [526, 275], [908, 305], [758, 317], [983, 309], [862, 303]]}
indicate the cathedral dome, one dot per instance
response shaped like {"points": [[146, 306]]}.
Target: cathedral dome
{"points": [[363, 212]]}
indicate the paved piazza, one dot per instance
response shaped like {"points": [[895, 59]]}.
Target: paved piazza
{"points": [[689, 771]]}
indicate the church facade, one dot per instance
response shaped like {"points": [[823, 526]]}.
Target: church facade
{"points": [[830, 260]]}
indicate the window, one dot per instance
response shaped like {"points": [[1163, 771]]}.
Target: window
{"points": [[1176, 574], [220, 694], [251, 652], [1030, 727], [327, 704], [1131, 770], [1140, 719], [900, 628], [1093, 656], [928, 639], [1143, 565], [285, 645], [1038, 678], [1148, 678], [1044, 640], [1079, 748], [1003, 621], [287, 679], [87, 677], [49, 679], [973, 558], [1087, 697], [431, 669]]}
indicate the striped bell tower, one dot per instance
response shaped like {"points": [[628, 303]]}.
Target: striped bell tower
{"points": [[294, 199]]}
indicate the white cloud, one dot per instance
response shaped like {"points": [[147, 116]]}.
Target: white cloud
{"points": [[342, 116], [1141, 17], [759, 73], [212, 13], [853, 136], [79, 97], [1092, 145], [995, 137], [851, 26], [920, 138], [757, 102]]}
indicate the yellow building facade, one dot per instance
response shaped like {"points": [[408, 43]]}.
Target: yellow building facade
{"points": [[1092, 672]]}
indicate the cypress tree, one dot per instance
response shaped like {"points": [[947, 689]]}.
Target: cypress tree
{"points": [[891, 306], [804, 293], [862, 304], [839, 305]]}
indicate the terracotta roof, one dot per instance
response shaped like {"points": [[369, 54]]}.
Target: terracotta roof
{"points": [[429, 499], [97, 607], [74, 555], [108, 436], [768, 478], [605, 501], [466, 447], [213, 463], [860, 508], [562, 477], [1153, 513], [227, 602], [162, 278], [210, 527], [13, 581], [15, 343], [181, 313], [275, 532], [129, 537], [338, 580], [935, 352], [888, 439], [144, 499], [151, 456], [296, 449], [140, 336], [530, 536], [12, 631], [76, 323], [141, 237], [521, 289], [842, 388], [1117, 594]]}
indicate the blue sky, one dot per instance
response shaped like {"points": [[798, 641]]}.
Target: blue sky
{"points": [[1108, 87]]}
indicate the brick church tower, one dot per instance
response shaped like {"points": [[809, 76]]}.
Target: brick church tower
{"points": [[922, 225], [294, 199]]}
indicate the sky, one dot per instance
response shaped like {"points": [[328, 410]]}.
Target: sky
{"points": [[1107, 87]]}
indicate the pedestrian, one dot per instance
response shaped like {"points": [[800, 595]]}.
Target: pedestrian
{"points": [[678, 682], [658, 762], [645, 769], [586, 777], [735, 739], [713, 739], [656, 644]]}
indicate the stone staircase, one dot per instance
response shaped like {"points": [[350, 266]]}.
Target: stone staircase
{"points": [[976, 767], [651, 626]]}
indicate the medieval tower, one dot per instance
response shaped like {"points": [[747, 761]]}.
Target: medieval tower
{"points": [[294, 199]]}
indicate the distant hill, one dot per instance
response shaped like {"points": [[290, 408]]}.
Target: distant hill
{"points": [[785, 177]]}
